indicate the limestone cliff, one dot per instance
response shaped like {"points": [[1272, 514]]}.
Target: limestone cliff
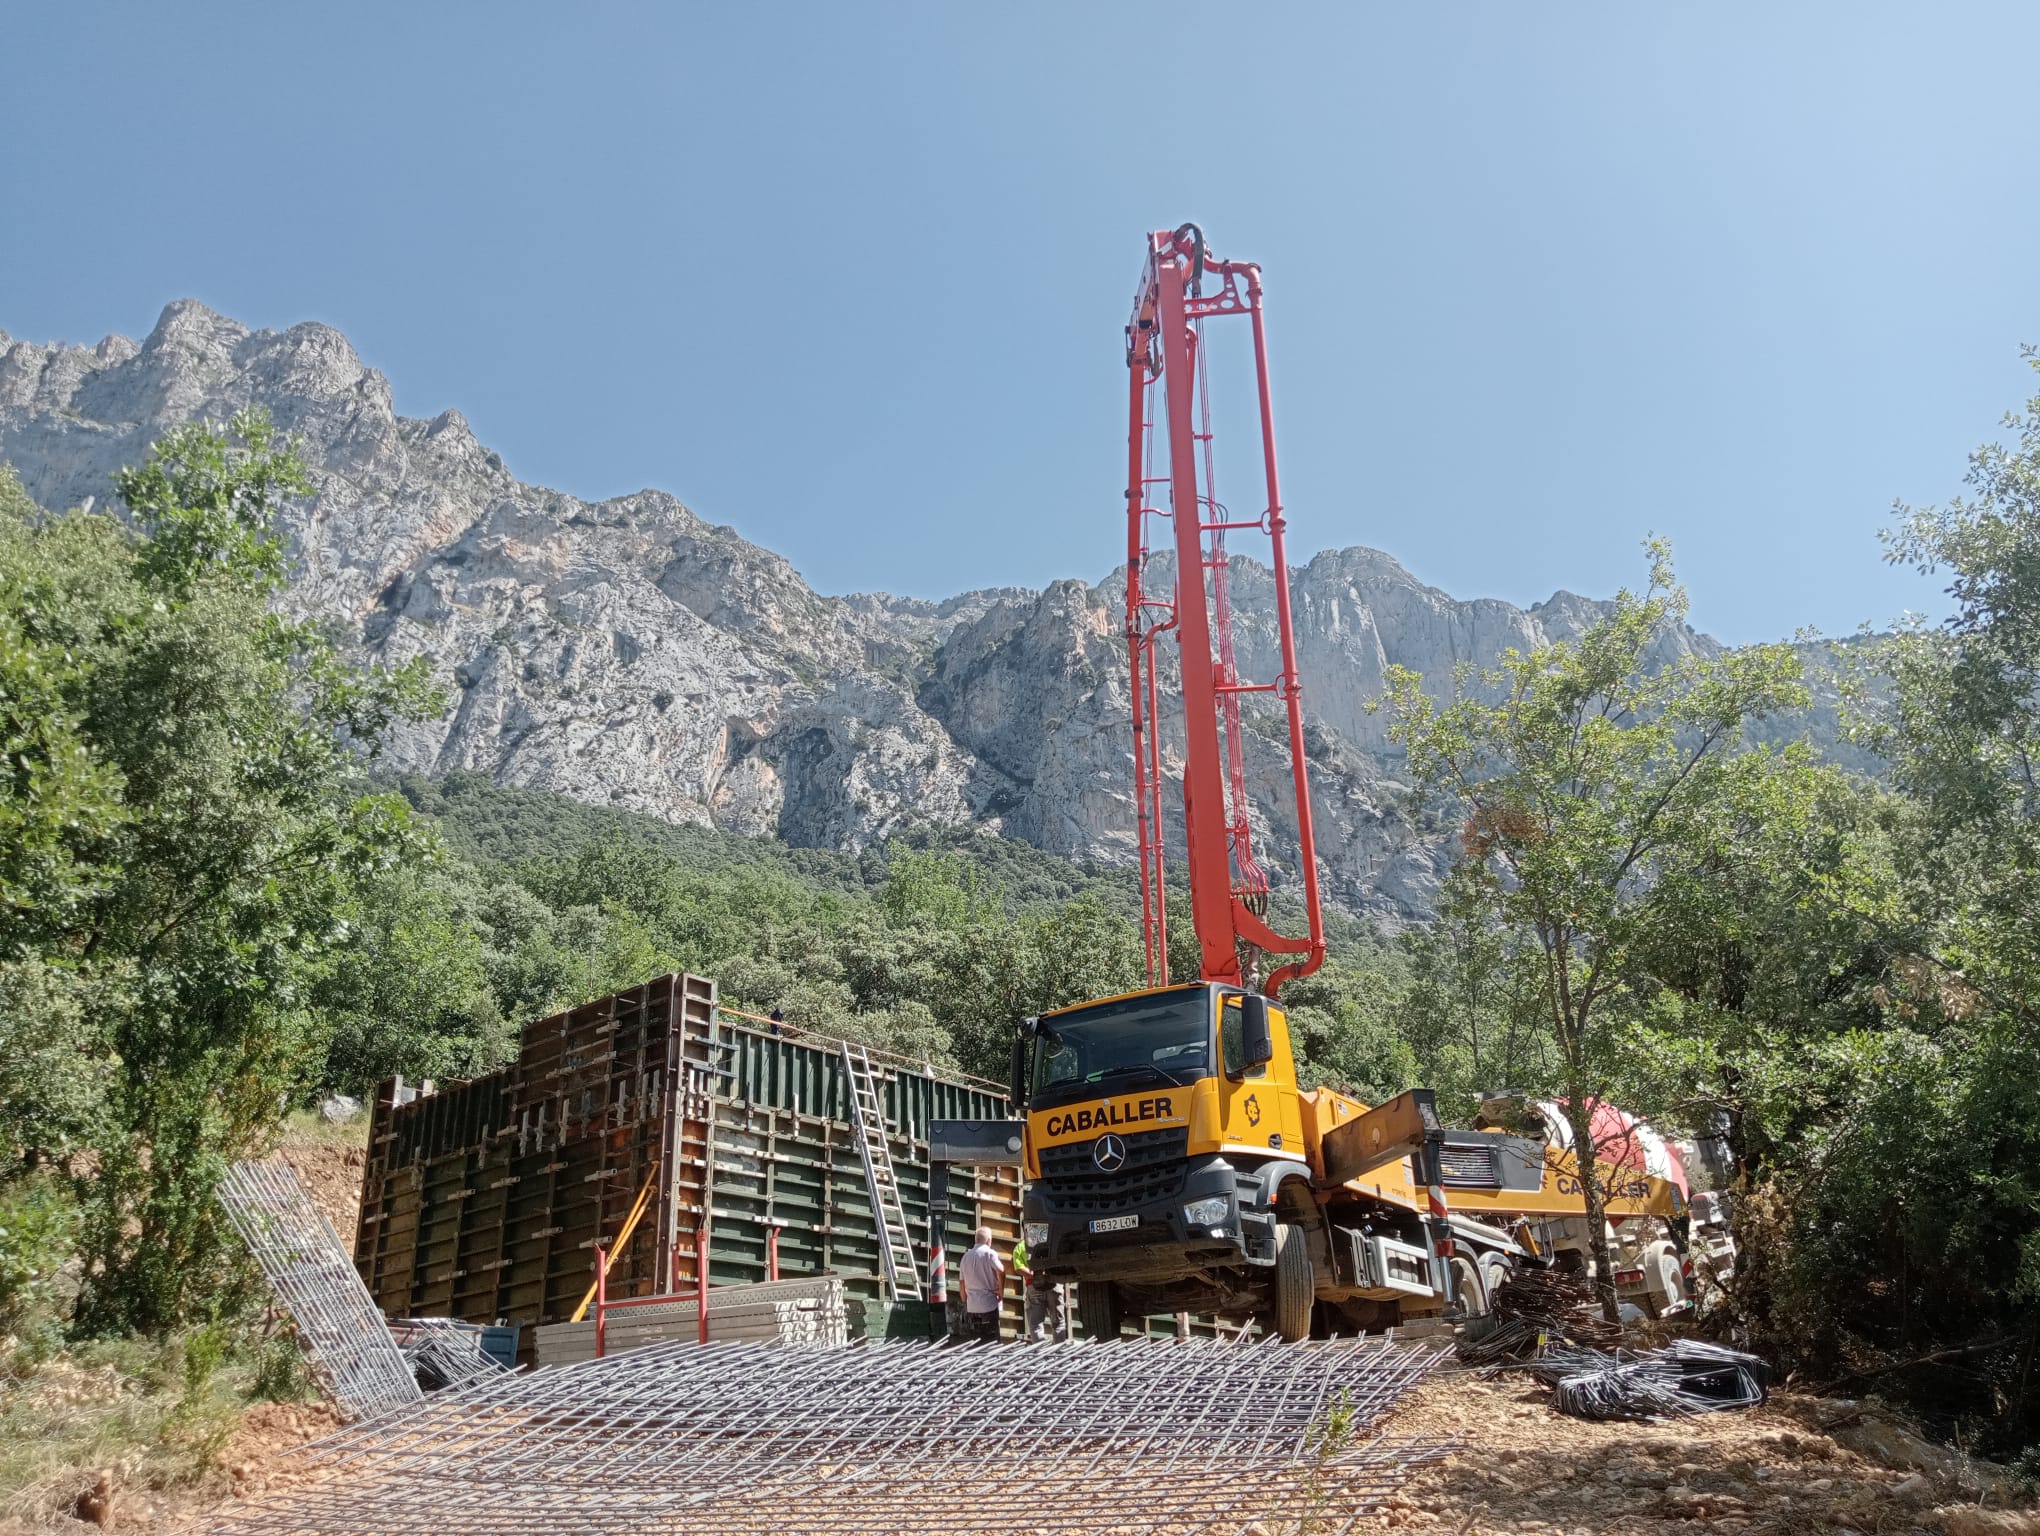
{"points": [[629, 652]]}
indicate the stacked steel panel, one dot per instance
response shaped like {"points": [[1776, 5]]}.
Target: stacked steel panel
{"points": [[307, 1269], [484, 1200]]}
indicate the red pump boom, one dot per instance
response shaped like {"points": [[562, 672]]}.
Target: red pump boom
{"points": [[1183, 286]]}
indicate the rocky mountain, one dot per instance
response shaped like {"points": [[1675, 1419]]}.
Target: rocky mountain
{"points": [[629, 652]]}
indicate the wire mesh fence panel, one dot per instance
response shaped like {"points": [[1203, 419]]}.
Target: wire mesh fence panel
{"points": [[1144, 1438], [312, 1276]]}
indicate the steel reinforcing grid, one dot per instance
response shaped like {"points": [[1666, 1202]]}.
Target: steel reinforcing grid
{"points": [[1146, 1438], [311, 1274]]}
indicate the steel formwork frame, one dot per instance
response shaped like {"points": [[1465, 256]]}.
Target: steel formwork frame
{"points": [[486, 1200], [1165, 356], [1138, 1438]]}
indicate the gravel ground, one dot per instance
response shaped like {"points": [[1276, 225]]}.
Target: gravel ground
{"points": [[1762, 1470]]}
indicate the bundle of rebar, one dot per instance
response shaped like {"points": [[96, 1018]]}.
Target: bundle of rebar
{"points": [[1535, 1310], [1147, 1438], [1688, 1376], [446, 1353], [316, 1282]]}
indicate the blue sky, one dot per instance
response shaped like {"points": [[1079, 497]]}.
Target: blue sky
{"points": [[1542, 279]]}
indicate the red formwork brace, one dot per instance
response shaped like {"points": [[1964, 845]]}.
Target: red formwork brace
{"points": [[699, 1295], [1182, 287]]}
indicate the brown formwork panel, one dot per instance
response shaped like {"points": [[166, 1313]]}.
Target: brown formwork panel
{"points": [[485, 1201]]}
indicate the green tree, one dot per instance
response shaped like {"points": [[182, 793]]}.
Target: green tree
{"points": [[220, 840], [1595, 778], [59, 802], [937, 888], [1904, 1153], [1347, 1026], [409, 992], [54, 1062], [1784, 941], [1470, 1007], [990, 973], [1962, 727]]}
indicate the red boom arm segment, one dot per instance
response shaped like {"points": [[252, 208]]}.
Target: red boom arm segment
{"points": [[1166, 361]]}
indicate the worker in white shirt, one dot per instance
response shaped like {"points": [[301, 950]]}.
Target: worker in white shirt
{"points": [[984, 1278]]}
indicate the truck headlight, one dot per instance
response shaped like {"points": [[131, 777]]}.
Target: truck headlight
{"points": [[1037, 1234], [1207, 1213]]}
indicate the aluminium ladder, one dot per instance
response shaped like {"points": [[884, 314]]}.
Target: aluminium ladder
{"points": [[867, 1119]]}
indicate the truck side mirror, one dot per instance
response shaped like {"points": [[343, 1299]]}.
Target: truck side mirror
{"points": [[1023, 1050], [1255, 1033]]}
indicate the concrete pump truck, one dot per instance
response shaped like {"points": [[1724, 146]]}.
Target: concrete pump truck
{"points": [[1173, 1163]]}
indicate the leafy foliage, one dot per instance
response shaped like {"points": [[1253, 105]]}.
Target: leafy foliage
{"points": [[38, 1230], [1662, 899], [1602, 796], [181, 759], [1917, 1167]]}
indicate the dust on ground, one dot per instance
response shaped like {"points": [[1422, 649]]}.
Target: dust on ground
{"points": [[1769, 1469]]}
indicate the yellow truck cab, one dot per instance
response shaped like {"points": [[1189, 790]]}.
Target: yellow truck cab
{"points": [[1173, 1166], [1161, 1128]]}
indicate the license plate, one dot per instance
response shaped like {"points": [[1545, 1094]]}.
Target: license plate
{"points": [[1114, 1223]]}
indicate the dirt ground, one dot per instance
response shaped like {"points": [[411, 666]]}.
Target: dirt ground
{"points": [[1775, 1468], [1796, 1466], [328, 1158], [130, 1486], [1524, 1468], [117, 1458]]}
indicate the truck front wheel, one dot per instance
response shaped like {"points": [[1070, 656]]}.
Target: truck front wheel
{"points": [[1295, 1282], [1099, 1309]]}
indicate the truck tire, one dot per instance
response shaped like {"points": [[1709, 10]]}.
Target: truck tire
{"points": [[1494, 1274], [1099, 1309], [1471, 1286], [1295, 1282], [1670, 1289]]}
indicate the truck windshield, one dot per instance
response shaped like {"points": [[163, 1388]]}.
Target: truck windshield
{"points": [[1116, 1047]]}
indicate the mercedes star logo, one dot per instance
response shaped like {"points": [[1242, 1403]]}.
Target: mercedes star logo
{"points": [[1109, 1153]]}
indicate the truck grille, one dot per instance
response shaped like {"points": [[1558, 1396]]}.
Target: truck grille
{"points": [[1469, 1167], [1153, 1171]]}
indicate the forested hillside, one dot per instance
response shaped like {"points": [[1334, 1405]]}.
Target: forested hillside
{"points": [[215, 902], [631, 654], [930, 946]]}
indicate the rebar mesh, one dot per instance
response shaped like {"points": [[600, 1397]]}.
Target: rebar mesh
{"points": [[312, 1276], [1133, 1438], [445, 1353]]}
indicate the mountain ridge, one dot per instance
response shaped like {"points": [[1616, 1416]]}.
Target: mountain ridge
{"points": [[629, 652]]}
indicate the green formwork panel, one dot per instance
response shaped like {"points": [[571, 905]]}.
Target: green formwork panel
{"points": [[873, 1319], [806, 1075], [485, 1200], [785, 1157]]}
